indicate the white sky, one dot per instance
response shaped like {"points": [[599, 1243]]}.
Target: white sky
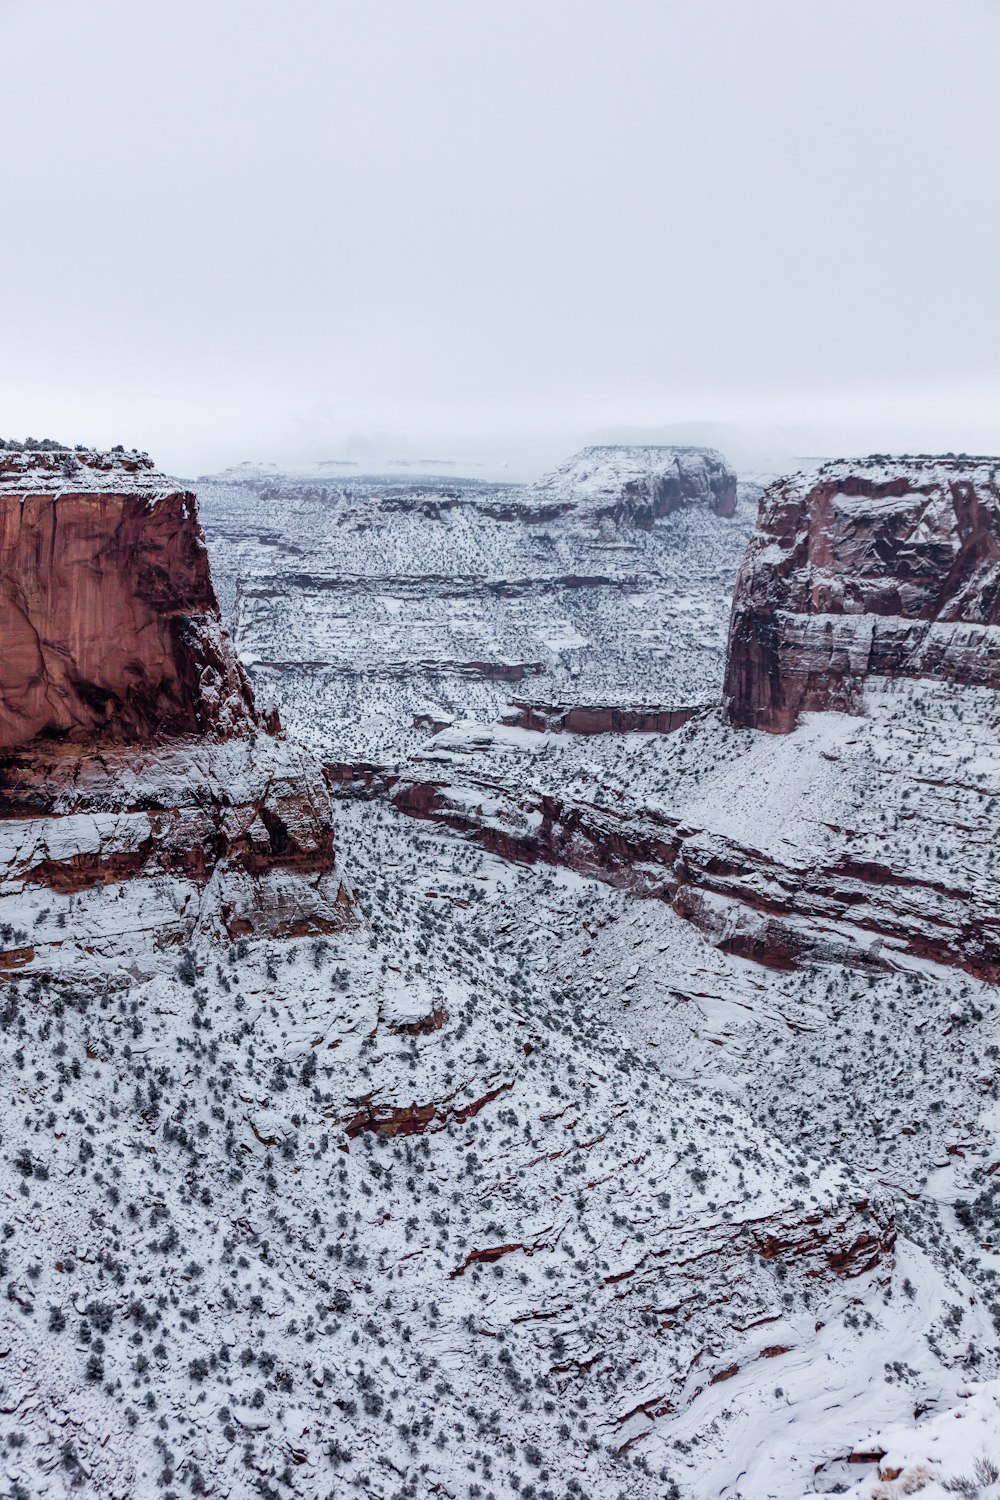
{"points": [[490, 230]]}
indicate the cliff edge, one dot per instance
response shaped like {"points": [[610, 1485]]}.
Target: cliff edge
{"points": [[132, 754], [108, 618], [875, 567]]}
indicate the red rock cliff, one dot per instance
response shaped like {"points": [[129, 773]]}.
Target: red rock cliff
{"points": [[888, 567], [132, 757], [108, 618]]}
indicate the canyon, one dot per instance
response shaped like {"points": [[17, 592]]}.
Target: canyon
{"points": [[372, 607], [504, 1069]]}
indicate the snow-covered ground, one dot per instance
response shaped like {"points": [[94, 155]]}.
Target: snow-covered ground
{"points": [[523, 1183], [956, 1452], [223, 1262], [365, 606]]}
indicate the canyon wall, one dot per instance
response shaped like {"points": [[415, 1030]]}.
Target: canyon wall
{"points": [[874, 567], [132, 754], [371, 607], [109, 622]]}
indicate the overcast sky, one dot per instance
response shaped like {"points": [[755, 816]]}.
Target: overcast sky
{"points": [[489, 230]]}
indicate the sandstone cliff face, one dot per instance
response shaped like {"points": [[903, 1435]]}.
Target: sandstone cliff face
{"points": [[109, 622], [879, 567], [132, 754]]}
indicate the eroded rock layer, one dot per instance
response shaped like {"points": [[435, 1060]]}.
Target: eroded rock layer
{"points": [[98, 847], [371, 607], [596, 718], [884, 567], [515, 1186], [132, 755], [866, 841], [108, 618]]}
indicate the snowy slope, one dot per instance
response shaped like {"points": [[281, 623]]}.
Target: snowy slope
{"points": [[390, 1206], [632, 1130]]}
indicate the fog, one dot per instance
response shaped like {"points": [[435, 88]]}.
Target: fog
{"points": [[486, 233]]}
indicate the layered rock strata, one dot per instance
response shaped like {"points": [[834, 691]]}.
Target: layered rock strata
{"points": [[636, 484], [866, 841], [132, 755], [785, 915], [880, 567], [99, 847], [365, 605]]}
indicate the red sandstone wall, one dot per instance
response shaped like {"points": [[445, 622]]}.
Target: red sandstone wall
{"points": [[109, 626], [881, 567]]}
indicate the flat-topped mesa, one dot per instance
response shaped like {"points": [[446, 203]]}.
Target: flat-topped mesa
{"points": [[875, 567], [108, 619], [636, 484]]}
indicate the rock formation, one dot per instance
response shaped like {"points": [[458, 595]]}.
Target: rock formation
{"points": [[595, 718], [637, 484], [517, 1185], [131, 751], [108, 618], [886, 567], [865, 841]]}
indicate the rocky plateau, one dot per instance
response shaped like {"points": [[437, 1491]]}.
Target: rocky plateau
{"points": [[372, 608]]}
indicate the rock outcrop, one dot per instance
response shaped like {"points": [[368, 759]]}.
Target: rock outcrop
{"points": [[517, 1186], [596, 718], [98, 846], [885, 567], [132, 754], [864, 841], [821, 904], [109, 622], [636, 485]]}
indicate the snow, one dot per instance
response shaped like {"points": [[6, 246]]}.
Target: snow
{"points": [[360, 601], [600, 474], [557, 1183], [955, 1452], [472, 1196], [82, 471]]}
